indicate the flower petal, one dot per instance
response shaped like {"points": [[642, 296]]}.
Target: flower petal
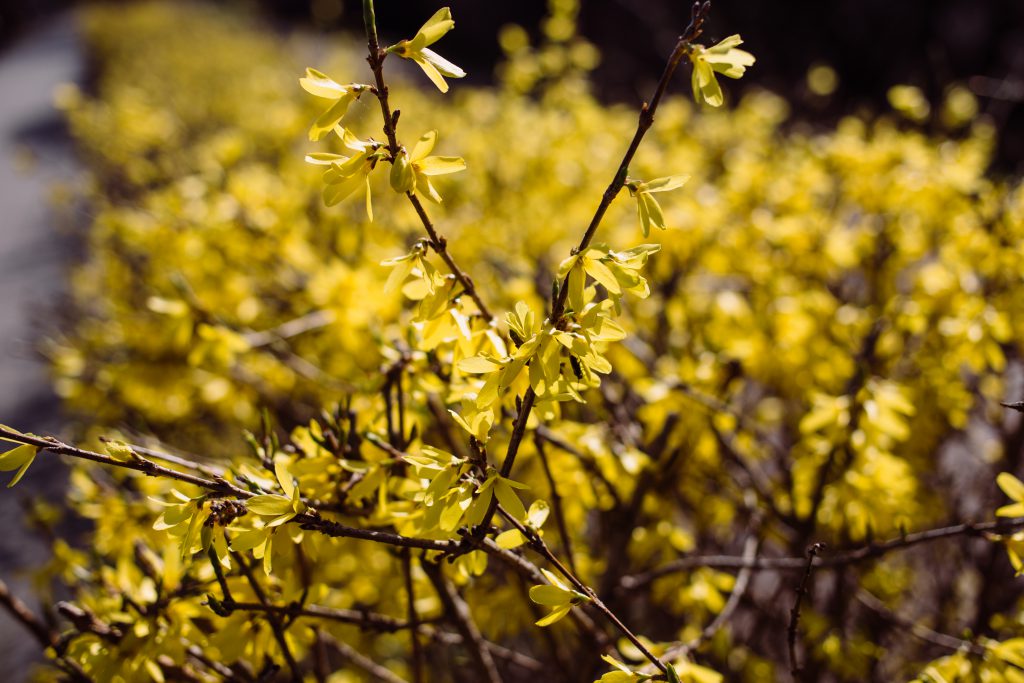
{"points": [[441, 165], [434, 28]]}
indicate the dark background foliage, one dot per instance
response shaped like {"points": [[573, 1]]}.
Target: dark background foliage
{"points": [[872, 45]]}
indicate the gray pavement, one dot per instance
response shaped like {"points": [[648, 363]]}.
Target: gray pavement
{"points": [[35, 154]]}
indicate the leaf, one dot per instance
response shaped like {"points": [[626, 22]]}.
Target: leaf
{"points": [[17, 457], [538, 514], [321, 85], [665, 184], [284, 478], [434, 28]]}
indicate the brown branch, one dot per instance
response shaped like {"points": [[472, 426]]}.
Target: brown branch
{"points": [[291, 328], [437, 242], [414, 619], [457, 609], [139, 464], [647, 111], [794, 614], [556, 503], [309, 520], [843, 558], [586, 462], [272, 618], [536, 543], [917, 629], [350, 654], [738, 591], [24, 616]]}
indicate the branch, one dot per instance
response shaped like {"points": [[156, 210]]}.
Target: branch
{"points": [[916, 628], [437, 242], [275, 623], [794, 614], [458, 610], [556, 503], [414, 618], [23, 615], [310, 520], [375, 670], [739, 590], [839, 559], [536, 543], [647, 111]]}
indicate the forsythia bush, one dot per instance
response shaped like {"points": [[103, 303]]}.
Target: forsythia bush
{"points": [[434, 422]]}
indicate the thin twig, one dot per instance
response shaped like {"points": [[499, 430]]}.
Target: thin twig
{"points": [[556, 504], [870, 551], [458, 610], [272, 618], [309, 520], [438, 243], [916, 628], [24, 616], [794, 614], [738, 591], [414, 619], [646, 120], [350, 654], [537, 544]]}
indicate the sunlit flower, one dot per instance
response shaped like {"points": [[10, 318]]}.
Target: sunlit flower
{"points": [[346, 174], [411, 172], [647, 207], [434, 65], [320, 85], [724, 58]]}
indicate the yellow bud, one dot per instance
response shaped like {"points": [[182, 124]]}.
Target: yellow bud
{"points": [[402, 177]]}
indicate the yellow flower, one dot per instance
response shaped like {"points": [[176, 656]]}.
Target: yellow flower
{"points": [[434, 65], [411, 172], [723, 58], [320, 85], [557, 595], [647, 207], [1014, 490], [347, 174]]}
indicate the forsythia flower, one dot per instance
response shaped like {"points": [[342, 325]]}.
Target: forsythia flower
{"points": [[558, 596], [723, 58], [647, 207], [320, 85], [434, 65], [347, 174], [410, 172]]}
